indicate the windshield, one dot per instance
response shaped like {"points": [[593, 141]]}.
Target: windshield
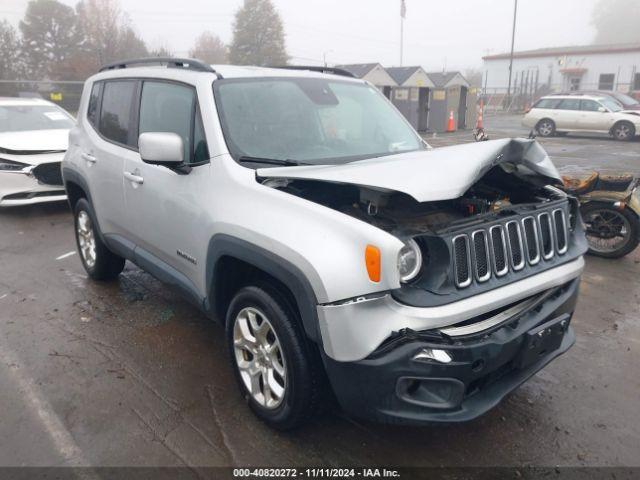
{"points": [[18, 118], [310, 120], [611, 104], [625, 100]]}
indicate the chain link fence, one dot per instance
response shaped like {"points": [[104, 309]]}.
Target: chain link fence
{"points": [[64, 93]]}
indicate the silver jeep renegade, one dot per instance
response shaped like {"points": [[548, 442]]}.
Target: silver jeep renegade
{"points": [[343, 255]]}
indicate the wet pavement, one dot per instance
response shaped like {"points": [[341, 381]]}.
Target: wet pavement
{"points": [[128, 373]]}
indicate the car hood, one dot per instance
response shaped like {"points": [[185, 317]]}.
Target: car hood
{"points": [[34, 141], [431, 175], [630, 112]]}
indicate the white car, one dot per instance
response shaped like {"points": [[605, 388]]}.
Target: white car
{"points": [[33, 140], [561, 114]]}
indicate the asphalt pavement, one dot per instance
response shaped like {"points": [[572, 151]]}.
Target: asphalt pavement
{"points": [[128, 373]]}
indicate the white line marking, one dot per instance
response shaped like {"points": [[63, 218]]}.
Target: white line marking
{"points": [[60, 436], [65, 255]]}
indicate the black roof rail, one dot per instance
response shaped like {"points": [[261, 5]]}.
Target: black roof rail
{"points": [[315, 68], [186, 63]]}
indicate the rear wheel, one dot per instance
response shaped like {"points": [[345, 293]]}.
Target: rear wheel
{"points": [[623, 131], [98, 261], [546, 127], [275, 365], [611, 233]]}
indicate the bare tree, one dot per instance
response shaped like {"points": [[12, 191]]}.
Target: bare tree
{"points": [[108, 32], [9, 52], [474, 76], [209, 48], [161, 51], [616, 21], [50, 35], [258, 35]]}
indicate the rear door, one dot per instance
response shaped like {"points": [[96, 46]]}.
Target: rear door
{"points": [[165, 210], [109, 143], [567, 114]]}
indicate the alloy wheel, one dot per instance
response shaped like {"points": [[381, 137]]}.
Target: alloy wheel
{"points": [[259, 357], [545, 129], [622, 132], [86, 239]]}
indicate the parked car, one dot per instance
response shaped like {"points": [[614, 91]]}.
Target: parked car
{"points": [[33, 139], [301, 210], [626, 102], [561, 114]]}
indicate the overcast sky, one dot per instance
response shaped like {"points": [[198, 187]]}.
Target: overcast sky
{"points": [[455, 33]]}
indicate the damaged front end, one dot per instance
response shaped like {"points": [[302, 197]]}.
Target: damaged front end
{"points": [[489, 277]]}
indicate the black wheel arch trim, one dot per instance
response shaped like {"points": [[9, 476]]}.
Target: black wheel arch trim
{"points": [[223, 245]]}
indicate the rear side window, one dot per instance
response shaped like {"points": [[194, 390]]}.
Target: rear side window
{"points": [[94, 103], [546, 103], [569, 104], [118, 103]]}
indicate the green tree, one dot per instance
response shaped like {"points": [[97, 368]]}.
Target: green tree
{"points": [[9, 52], [209, 48], [258, 35], [616, 21], [50, 36]]}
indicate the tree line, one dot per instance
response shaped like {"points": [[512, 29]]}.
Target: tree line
{"points": [[57, 42]]}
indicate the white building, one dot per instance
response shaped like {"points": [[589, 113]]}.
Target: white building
{"points": [[591, 67]]}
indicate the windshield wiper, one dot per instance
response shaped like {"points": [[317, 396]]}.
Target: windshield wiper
{"points": [[270, 161]]}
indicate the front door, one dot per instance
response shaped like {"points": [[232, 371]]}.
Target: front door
{"points": [[567, 114], [592, 118], [164, 206]]}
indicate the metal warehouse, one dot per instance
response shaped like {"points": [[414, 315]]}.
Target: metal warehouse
{"points": [[544, 70]]}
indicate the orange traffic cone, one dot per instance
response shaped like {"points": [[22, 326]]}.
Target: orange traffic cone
{"points": [[451, 126], [479, 121]]}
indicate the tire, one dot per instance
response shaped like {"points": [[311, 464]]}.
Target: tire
{"points": [[98, 261], [632, 222], [623, 131], [546, 127], [302, 378]]}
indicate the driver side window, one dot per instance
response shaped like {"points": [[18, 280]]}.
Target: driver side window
{"points": [[171, 107]]}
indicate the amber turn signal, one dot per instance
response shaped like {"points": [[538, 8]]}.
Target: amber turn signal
{"points": [[372, 260]]}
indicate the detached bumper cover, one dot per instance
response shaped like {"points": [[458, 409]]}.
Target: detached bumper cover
{"points": [[392, 387], [352, 331]]}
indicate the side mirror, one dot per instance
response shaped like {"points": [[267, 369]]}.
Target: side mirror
{"points": [[602, 109], [161, 148]]}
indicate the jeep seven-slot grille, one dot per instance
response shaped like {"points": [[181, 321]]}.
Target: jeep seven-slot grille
{"points": [[509, 246]]}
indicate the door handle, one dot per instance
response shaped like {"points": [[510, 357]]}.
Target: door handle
{"points": [[134, 178], [89, 158]]}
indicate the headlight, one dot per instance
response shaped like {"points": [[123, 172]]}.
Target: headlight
{"points": [[10, 165], [409, 261]]}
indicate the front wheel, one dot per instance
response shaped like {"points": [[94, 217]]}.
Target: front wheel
{"points": [[623, 131], [611, 232], [275, 365], [546, 127]]}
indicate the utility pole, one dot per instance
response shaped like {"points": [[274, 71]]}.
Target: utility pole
{"points": [[403, 14], [513, 38]]}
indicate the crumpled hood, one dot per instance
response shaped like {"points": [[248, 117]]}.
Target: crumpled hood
{"points": [[431, 175], [34, 141]]}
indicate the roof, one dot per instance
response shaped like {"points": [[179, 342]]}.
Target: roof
{"points": [[441, 79], [570, 50], [572, 96], [402, 74], [359, 69]]}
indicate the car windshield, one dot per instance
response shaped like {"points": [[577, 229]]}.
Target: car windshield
{"points": [[19, 118], [610, 103], [310, 120], [625, 100]]}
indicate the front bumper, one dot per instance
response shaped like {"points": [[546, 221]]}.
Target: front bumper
{"points": [[392, 387], [18, 188]]}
